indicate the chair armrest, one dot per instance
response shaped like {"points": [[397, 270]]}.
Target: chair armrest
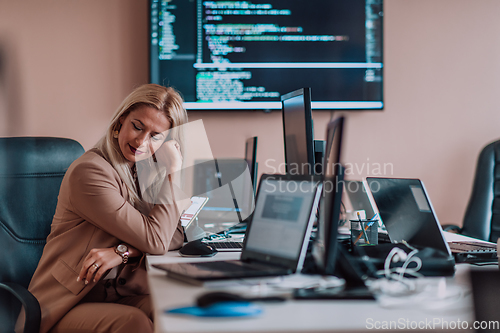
{"points": [[452, 228], [29, 303]]}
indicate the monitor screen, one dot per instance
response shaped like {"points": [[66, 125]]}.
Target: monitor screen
{"points": [[251, 158], [283, 211], [228, 185], [243, 55], [298, 132], [326, 242]]}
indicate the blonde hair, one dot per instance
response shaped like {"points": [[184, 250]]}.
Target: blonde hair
{"points": [[164, 99]]}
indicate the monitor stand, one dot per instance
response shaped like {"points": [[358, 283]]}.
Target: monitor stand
{"points": [[354, 287]]}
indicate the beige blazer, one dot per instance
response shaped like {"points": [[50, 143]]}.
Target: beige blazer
{"points": [[93, 212]]}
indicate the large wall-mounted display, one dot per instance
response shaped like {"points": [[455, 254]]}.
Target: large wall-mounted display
{"points": [[243, 55]]}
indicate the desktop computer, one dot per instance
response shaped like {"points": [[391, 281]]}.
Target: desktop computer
{"points": [[329, 255], [298, 132]]}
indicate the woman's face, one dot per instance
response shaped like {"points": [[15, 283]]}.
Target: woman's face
{"points": [[143, 131]]}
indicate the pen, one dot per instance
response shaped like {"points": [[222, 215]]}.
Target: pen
{"points": [[366, 228], [363, 230]]}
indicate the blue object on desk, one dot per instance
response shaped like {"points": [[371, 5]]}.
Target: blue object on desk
{"points": [[221, 309]]}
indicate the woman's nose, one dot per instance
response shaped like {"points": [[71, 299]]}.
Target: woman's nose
{"points": [[141, 139]]}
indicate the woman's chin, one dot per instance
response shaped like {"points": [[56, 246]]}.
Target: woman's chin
{"points": [[137, 157], [140, 157], [131, 158]]}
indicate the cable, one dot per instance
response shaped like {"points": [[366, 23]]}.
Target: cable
{"points": [[396, 281], [398, 290]]}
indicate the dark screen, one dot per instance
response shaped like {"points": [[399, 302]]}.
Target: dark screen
{"points": [[298, 132], [251, 158], [406, 211], [331, 200]]}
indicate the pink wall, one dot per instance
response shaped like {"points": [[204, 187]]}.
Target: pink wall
{"points": [[69, 63]]}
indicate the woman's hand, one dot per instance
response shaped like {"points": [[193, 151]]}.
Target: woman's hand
{"points": [[97, 262], [169, 155]]}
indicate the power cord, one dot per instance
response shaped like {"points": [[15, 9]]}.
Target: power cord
{"points": [[396, 281], [428, 294]]}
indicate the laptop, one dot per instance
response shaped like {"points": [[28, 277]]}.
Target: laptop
{"points": [[277, 236], [229, 185], [223, 241], [194, 229], [408, 215], [356, 192]]}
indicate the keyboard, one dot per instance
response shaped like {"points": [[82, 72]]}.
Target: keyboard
{"points": [[226, 245], [458, 247], [474, 252], [476, 257], [224, 266], [237, 266]]}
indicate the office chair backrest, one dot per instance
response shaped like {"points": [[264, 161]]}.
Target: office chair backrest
{"points": [[482, 216], [31, 171]]}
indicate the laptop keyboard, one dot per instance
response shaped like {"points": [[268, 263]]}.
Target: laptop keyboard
{"points": [[471, 247], [237, 266], [223, 266], [226, 245]]}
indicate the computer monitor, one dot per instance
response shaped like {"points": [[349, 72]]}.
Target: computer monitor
{"points": [[243, 55], [298, 132], [326, 242], [330, 257], [229, 188], [251, 158]]}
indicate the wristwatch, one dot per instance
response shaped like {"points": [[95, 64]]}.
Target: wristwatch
{"points": [[122, 251]]}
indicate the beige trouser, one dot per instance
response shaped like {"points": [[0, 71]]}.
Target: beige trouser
{"points": [[103, 310]]}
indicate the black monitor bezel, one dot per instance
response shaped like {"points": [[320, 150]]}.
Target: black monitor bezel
{"points": [[252, 161], [333, 206], [308, 123]]}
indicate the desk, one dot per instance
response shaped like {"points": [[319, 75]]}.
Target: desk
{"points": [[311, 316]]}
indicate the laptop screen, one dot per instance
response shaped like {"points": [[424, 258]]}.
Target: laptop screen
{"points": [[407, 212], [283, 216], [358, 197]]}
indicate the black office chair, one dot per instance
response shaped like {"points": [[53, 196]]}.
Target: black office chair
{"points": [[31, 171], [482, 217]]}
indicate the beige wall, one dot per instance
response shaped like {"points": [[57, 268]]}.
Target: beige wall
{"points": [[67, 64]]}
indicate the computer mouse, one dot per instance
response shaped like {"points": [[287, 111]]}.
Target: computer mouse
{"points": [[213, 297], [197, 248]]}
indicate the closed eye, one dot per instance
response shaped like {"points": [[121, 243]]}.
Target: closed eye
{"points": [[156, 137]]}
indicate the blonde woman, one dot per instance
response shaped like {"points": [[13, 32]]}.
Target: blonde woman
{"points": [[92, 276]]}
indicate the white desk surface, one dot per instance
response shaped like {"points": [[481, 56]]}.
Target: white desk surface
{"points": [[432, 308]]}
